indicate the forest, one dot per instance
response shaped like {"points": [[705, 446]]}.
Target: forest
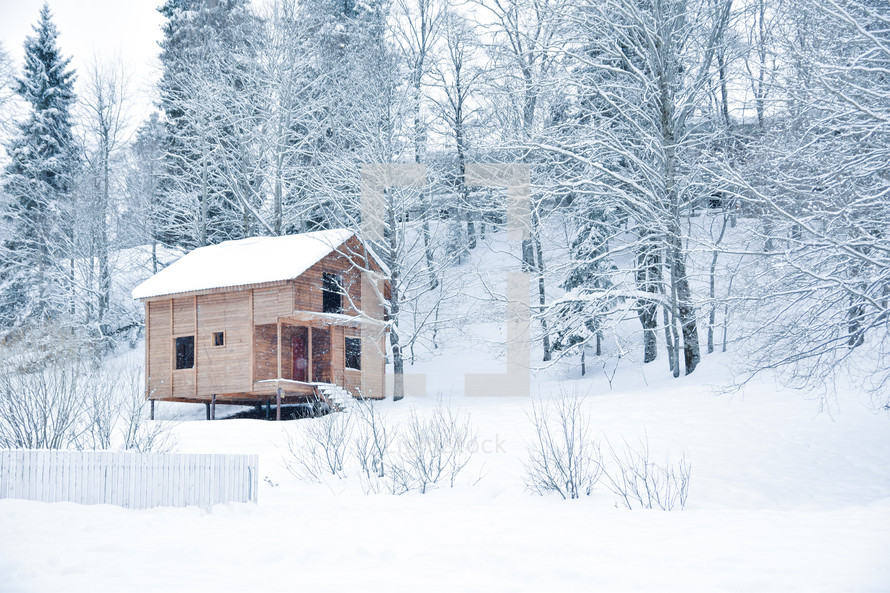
{"points": [[706, 175]]}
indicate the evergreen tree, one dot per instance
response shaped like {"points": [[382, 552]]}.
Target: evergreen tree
{"points": [[38, 185], [579, 316]]}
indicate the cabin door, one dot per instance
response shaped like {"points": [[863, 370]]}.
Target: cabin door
{"points": [[301, 354]]}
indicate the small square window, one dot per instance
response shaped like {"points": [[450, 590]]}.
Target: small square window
{"points": [[354, 353], [185, 352], [219, 338]]}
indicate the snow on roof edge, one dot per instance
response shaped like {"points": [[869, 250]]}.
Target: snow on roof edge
{"points": [[245, 262]]}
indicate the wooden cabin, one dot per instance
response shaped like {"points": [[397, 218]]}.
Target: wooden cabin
{"points": [[267, 319]]}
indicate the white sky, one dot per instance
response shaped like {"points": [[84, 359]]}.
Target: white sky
{"points": [[105, 29]]}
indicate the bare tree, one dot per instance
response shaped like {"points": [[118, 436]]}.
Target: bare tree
{"points": [[522, 36], [820, 178], [105, 124], [417, 29], [459, 78], [7, 94], [646, 79]]}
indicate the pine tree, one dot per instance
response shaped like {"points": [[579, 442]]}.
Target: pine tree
{"points": [[579, 316], [38, 185]]}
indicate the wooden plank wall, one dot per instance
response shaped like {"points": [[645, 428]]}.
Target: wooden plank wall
{"points": [[271, 303], [264, 343], [307, 293], [223, 369], [128, 479], [158, 349], [184, 311]]}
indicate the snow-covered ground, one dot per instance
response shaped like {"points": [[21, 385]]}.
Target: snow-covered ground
{"points": [[789, 492], [783, 498]]}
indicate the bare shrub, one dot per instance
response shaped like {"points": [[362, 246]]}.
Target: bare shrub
{"points": [[59, 397], [323, 450], [562, 457], [432, 449], [137, 431], [42, 408], [371, 439], [640, 483]]}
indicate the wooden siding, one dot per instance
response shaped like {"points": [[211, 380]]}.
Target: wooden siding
{"points": [[348, 261], [158, 332], [223, 369], [265, 360], [184, 316], [271, 303]]}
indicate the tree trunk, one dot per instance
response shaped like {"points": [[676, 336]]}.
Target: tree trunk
{"points": [[102, 219], [648, 277], [398, 363], [684, 309], [542, 295]]}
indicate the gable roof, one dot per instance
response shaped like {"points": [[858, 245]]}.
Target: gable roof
{"points": [[246, 261]]}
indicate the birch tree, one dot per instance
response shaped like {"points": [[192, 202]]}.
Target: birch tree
{"points": [[648, 67], [827, 191], [104, 126]]}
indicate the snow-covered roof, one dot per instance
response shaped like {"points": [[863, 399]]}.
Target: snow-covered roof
{"points": [[247, 261]]}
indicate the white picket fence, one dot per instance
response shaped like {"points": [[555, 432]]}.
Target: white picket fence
{"points": [[132, 480]]}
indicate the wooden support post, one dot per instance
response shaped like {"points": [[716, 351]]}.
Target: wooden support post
{"points": [[152, 416], [213, 407], [279, 350], [309, 355], [207, 409], [278, 405]]}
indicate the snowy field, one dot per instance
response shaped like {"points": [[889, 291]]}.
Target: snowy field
{"points": [[784, 497], [790, 491]]}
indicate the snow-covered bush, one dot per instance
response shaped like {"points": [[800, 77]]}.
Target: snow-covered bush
{"points": [[641, 483], [427, 451], [42, 408], [60, 397], [431, 450], [562, 457], [323, 450], [371, 439]]}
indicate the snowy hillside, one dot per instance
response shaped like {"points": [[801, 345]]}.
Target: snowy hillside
{"points": [[788, 492]]}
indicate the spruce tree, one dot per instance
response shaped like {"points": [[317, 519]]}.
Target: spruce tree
{"points": [[580, 316], [38, 186]]}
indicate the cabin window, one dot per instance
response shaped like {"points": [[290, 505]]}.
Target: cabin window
{"points": [[331, 299], [219, 338], [354, 353], [185, 352]]}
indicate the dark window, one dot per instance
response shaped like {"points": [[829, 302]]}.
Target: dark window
{"points": [[219, 338], [185, 352], [354, 353], [331, 301]]}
